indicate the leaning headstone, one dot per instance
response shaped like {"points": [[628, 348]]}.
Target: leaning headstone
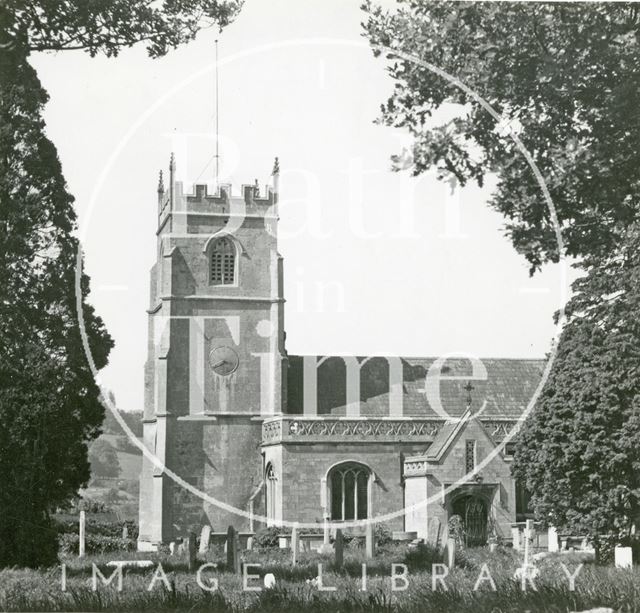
{"points": [[623, 557], [295, 545], [191, 548], [339, 545], [81, 534], [205, 536], [369, 542], [451, 552], [553, 544], [433, 532], [232, 550]]}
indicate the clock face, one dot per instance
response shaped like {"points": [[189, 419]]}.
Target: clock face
{"points": [[223, 360]]}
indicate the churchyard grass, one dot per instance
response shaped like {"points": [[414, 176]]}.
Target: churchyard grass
{"points": [[30, 590]]}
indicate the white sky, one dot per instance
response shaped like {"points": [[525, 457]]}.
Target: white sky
{"points": [[297, 81]]}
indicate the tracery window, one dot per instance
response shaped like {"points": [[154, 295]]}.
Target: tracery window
{"points": [[223, 262], [349, 484]]}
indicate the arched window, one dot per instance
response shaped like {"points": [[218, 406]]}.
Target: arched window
{"points": [[223, 262], [349, 485], [272, 485]]}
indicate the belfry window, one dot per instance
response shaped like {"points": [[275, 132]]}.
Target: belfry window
{"points": [[272, 485], [349, 485], [223, 262]]}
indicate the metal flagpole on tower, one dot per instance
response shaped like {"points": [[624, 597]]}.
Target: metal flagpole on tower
{"points": [[217, 121]]}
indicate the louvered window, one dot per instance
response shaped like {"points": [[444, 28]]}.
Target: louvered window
{"points": [[223, 262]]}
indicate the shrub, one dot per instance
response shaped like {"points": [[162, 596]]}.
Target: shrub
{"points": [[95, 544], [423, 556], [382, 534], [96, 527], [267, 538]]}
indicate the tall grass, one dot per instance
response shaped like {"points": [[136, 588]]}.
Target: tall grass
{"points": [[27, 590]]}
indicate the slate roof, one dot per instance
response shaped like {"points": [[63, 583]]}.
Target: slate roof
{"points": [[508, 388]]}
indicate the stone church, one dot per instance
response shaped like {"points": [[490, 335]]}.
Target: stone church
{"points": [[274, 437]]}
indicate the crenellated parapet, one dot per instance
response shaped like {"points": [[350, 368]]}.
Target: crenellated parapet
{"points": [[213, 201]]}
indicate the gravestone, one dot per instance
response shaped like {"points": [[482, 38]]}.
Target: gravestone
{"points": [[205, 536], [370, 546], [125, 531], [81, 534], [553, 544], [295, 545], [515, 538], [191, 549], [233, 558], [172, 548], [339, 545], [326, 546], [529, 533], [433, 532], [623, 557], [451, 552]]}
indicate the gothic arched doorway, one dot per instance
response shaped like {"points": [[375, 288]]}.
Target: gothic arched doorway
{"points": [[472, 510]]}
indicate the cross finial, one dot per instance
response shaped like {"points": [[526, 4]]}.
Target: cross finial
{"points": [[468, 388]]}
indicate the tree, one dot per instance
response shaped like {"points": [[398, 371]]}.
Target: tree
{"points": [[579, 451], [49, 401], [104, 460], [565, 76], [106, 26]]}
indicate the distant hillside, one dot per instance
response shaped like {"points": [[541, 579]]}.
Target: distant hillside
{"points": [[115, 471], [133, 419], [114, 457]]}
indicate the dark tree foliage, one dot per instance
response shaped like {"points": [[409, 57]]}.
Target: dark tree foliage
{"points": [[49, 402], [579, 451], [565, 75], [106, 26]]}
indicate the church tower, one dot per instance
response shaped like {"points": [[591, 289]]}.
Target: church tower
{"points": [[216, 358]]}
